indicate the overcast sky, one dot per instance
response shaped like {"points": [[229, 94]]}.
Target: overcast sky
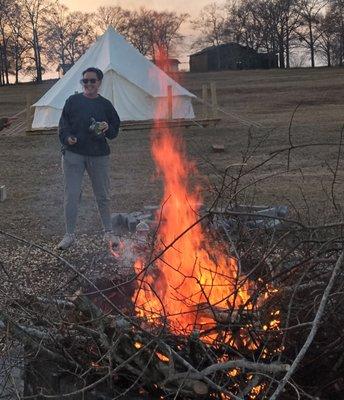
{"points": [[190, 6]]}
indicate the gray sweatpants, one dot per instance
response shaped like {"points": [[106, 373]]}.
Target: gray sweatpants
{"points": [[74, 166]]}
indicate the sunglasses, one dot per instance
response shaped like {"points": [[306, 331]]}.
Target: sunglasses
{"points": [[86, 81]]}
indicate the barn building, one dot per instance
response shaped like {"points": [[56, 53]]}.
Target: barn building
{"points": [[231, 56]]}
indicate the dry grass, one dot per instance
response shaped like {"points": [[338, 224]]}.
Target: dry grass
{"points": [[30, 169], [30, 166]]}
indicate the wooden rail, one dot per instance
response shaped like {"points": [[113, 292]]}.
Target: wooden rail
{"points": [[144, 125]]}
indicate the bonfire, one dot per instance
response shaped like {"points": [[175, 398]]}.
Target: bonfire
{"points": [[207, 312]]}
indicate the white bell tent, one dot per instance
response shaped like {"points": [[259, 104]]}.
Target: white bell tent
{"points": [[132, 83]]}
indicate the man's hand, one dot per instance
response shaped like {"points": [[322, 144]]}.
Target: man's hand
{"points": [[104, 126], [71, 140]]}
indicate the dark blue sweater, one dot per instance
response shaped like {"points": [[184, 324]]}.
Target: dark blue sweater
{"points": [[76, 119]]}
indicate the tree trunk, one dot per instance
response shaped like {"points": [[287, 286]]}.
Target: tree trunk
{"points": [[4, 57], [274, 50], [341, 46], [311, 44], [281, 59], [281, 53], [6, 66], [16, 64], [287, 49], [37, 57], [312, 57], [63, 58], [328, 55], [2, 81], [39, 75]]}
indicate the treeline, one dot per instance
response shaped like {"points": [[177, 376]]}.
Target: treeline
{"points": [[35, 34], [280, 26]]}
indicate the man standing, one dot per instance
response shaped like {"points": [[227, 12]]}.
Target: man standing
{"points": [[87, 121]]}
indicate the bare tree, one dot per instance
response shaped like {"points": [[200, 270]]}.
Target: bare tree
{"points": [[164, 32], [336, 19], [291, 20], [18, 46], [327, 39], [211, 25], [310, 13], [5, 36], [151, 30], [68, 34], [246, 23], [114, 16], [235, 21], [34, 12], [267, 25], [280, 23], [139, 27]]}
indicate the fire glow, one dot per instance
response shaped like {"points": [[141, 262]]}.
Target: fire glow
{"points": [[191, 270]]}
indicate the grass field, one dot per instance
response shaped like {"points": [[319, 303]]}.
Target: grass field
{"points": [[30, 166], [301, 108]]}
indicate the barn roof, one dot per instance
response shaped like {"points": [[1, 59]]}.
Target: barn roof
{"points": [[223, 45]]}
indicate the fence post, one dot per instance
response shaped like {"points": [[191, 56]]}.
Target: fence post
{"points": [[205, 100], [169, 102], [213, 98]]}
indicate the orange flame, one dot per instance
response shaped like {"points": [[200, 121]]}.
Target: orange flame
{"points": [[191, 269], [162, 357]]}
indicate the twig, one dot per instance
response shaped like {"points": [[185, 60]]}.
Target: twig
{"points": [[312, 333]]}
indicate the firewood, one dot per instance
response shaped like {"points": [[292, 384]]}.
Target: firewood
{"points": [[31, 338], [222, 315], [200, 388]]}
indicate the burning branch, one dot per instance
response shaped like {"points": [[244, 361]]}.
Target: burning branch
{"points": [[215, 305]]}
